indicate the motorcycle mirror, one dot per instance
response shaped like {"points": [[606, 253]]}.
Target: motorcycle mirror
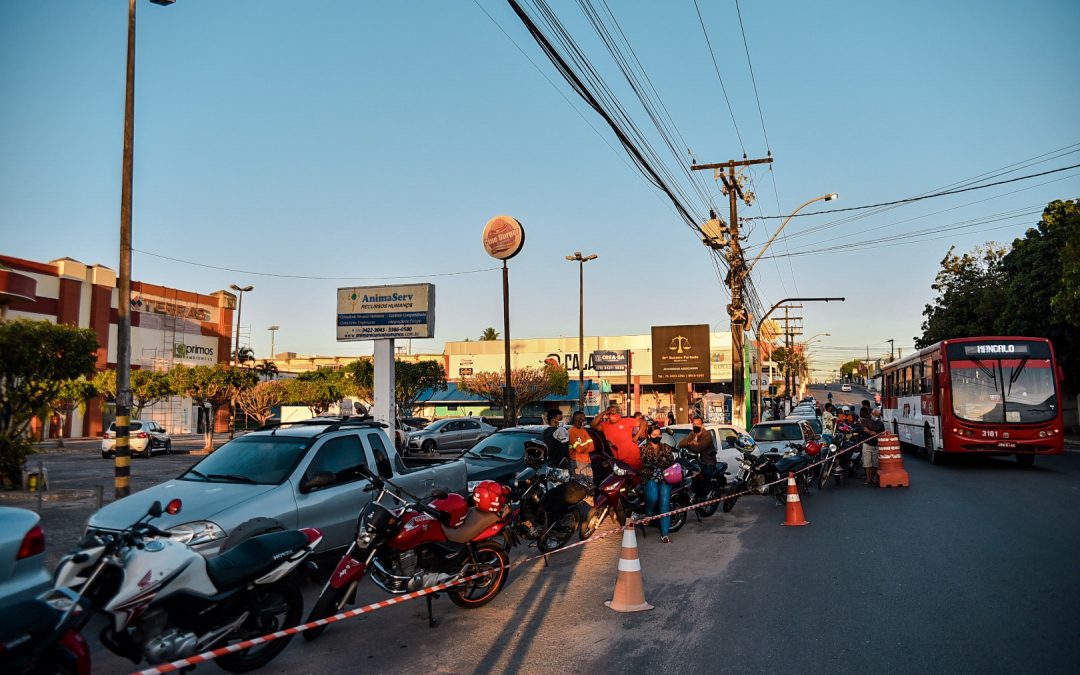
{"points": [[439, 493], [155, 510], [173, 507]]}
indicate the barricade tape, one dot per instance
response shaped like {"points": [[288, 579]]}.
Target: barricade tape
{"points": [[247, 644]]}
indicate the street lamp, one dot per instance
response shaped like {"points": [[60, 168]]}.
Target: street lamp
{"points": [[239, 308], [122, 463], [892, 344], [581, 260], [827, 198], [273, 331]]}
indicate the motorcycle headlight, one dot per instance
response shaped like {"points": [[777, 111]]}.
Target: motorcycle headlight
{"points": [[198, 532], [619, 471]]}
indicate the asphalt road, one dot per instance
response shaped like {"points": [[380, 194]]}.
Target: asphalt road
{"points": [[973, 568]]}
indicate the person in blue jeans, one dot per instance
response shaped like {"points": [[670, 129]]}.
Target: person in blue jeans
{"points": [[655, 457]]}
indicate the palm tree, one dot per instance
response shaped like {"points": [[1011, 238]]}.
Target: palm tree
{"points": [[267, 369], [489, 334], [244, 355]]}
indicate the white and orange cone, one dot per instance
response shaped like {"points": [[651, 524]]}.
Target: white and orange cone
{"points": [[794, 504], [629, 587]]}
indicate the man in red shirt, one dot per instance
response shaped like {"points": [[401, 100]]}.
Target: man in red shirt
{"points": [[622, 433]]}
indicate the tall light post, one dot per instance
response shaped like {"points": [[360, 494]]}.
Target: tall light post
{"points": [[892, 344], [826, 198], [236, 352], [581, 260], [122, 463], [273, 331]]}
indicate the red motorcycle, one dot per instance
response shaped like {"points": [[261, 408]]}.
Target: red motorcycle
{"points": [[413, 545], [618, 495]]}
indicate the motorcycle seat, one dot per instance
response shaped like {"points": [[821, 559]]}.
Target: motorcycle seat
{"points": [[29, 618], [253, 558], [475, 523]]}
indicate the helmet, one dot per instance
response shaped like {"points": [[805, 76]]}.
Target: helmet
{"points": [[454, 505], [535, 454], [812, 448], [745, 443], [490, 496], [673, 474]]}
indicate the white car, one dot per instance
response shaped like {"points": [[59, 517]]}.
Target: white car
{"points": [[845, 387], [721, 433], [145, 439]]}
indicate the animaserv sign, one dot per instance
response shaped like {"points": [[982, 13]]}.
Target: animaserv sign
{"points": [[386, 312]]}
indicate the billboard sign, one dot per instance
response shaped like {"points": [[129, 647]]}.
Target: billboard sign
{"points": [[385, 312], [609, 361], [681, 353]]}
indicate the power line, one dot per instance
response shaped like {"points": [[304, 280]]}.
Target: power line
{"points": [[753, 79], [304, 276], [716, 66]]}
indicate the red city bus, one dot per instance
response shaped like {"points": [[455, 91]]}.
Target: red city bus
{"points": [[986, 395]]}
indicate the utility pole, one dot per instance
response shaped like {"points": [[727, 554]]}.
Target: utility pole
{"points": [[738, 271]]}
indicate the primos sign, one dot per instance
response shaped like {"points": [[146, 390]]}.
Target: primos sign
{"points": [[681, 354], [194, 353], [386, 312]]}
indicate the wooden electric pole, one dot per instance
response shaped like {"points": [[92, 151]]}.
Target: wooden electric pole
{"points": [[737, 274]]}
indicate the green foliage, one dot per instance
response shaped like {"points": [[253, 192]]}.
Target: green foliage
{"points": [[105, 383], [36, 358], [851, 368], [530, 384], [1066, 216], [969, 291], [216, 385], [149, 387], [72, 394], [259, 401], [319, 389], [410, 380], [244, 355], [267, 369], [489, 334]]}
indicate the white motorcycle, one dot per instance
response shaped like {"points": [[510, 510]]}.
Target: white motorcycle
{"points": [[165, 601]]}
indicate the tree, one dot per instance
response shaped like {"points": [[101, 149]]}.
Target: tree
{"points": [[318, 389], [530, 385], [217, 385], [36, 357], [969, 291], [489, 334], [244, 355], [72, 394], [410, 380], [267, 369], [259, 401], [148, 387], [1066, 303]]}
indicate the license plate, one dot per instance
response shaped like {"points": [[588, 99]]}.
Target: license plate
{"points": [[1006, 445]]}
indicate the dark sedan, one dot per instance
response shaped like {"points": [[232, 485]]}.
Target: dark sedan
{"points": [[500, 456]]}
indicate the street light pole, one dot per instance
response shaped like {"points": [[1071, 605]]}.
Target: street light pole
{"points": [[273, 331], [581, 260], [892, 344], [236, 352], [122, 461]]}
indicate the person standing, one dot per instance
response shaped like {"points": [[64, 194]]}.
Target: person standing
{"points": [[828, 424], [872, 427], [699, 443], [581, 446], [622, 433], [655, 457], [556, 439]]}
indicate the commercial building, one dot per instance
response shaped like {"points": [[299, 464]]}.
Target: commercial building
{"points": [[169, 327]]}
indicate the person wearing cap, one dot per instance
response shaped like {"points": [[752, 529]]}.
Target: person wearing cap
{"points": [[872, 426]]}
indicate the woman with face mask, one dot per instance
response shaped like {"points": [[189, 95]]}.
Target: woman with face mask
{"points": [[655, 457]]}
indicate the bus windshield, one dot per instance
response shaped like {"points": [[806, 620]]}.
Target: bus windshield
{"points": [[1007, 391]]}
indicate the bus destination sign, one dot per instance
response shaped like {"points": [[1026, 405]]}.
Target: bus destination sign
{"points": [[995, 350]]}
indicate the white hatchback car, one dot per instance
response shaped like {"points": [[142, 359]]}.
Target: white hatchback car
{"points": [[722, 433], [146, 438]]}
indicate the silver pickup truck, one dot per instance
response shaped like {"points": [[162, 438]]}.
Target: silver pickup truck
{"points": [[304, 474]]}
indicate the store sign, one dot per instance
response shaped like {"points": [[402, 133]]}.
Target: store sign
{"points": [[385, 312], [503, 237], [154, 305], [194, 353], [681, 353], [608, 361]]}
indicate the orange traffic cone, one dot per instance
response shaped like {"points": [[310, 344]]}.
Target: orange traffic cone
{"points": [[794, 504], [891, 472], [629, 588]]}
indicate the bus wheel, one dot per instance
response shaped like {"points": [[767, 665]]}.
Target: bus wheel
{"points": [[1025, 460], [928, 445]]}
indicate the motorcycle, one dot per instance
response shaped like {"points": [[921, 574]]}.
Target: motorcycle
{"points": [[414, 545], [166, 602], [703, 488], [547, 508], [763, 474], [848, 437], [830, 469], [37, 638], [617, 496]]}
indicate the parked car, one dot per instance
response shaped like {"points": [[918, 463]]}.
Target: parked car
{"points": [[22, 556], [811, 418], [449, 434], [775, 436], [526, 420], [722, 434], [299, 474], [416, 423], [145, 437], [500, 456]]}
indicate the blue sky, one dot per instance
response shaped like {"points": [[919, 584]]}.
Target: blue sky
{"points": [[352, 139]]}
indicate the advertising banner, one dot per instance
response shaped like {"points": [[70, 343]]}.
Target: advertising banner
{"points": [[609, 361], [385, 312], [681, 353]]}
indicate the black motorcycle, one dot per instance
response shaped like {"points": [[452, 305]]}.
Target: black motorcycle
{"points": [[763, 474], [548, 508], [704, 487]]}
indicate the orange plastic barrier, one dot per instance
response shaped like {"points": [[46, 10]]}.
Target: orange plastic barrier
{"points": [[891, 472]]}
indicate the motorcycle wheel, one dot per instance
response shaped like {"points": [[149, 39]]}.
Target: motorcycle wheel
{"points": [[678, 519], [592, 522], [273, 608], [826, 473], [706, 511], [560, 531], [729, 504], [330, 602], [491, 561]]}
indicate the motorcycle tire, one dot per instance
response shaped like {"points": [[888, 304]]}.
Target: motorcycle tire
{"points": [[678, 519], [332, 601], [826, 474], [710, 509], [729, 504], [273, 607], [592, 522], [560, 532], [491, 559]]}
